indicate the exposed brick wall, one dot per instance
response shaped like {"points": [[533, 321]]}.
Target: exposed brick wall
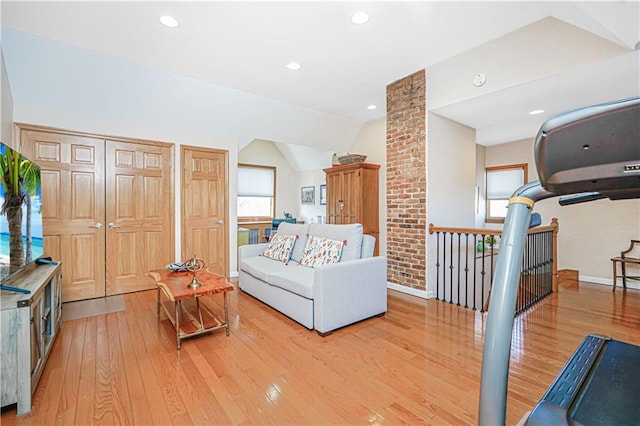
{"points": [[407, 181]]}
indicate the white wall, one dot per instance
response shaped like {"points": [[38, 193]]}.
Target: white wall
{"points": [[451, 181], [6, 107], [264, 153], [372, 142], [590, 233], [315, 178], [58, 85]]}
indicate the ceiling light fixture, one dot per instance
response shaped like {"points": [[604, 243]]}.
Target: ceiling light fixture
{"points": [[293, 66], [372, 107], [360, 18], [168, 21], [536, 112]]}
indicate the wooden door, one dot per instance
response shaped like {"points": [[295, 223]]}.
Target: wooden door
{"points": [[204, 201], [139, 214], [73, 207]]}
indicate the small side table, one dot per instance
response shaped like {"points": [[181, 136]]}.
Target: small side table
{"points": [[186, 320]]}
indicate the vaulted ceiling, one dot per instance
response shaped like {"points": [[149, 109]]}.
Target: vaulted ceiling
{"points": [[583, 54]]}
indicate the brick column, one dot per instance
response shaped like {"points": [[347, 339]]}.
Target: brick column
{"points": [[407, 181]]}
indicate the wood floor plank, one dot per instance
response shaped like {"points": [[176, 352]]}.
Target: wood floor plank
{"points": [[137, 403], [104, 403], [118, 378], [156, 406], [419, 364], [85, 406], [75, 332]]}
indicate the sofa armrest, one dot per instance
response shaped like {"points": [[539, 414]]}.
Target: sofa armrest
{"points": [[251, 250], [347, 292]]}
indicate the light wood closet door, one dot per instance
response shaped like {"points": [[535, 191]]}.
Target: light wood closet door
{"points": [[205, 207], [139, 211], [73, 207]]}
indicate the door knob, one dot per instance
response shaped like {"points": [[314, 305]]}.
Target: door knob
{"points": [[221, 222], [112, 225], [96, 225]]}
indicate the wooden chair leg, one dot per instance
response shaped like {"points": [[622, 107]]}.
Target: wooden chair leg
{"points": [[615, 278]]}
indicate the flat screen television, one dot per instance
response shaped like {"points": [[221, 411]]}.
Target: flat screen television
{"points": [[21, 235]]}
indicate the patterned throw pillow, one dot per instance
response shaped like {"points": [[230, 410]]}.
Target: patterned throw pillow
{"points": [[321, 251], [280, 247]]}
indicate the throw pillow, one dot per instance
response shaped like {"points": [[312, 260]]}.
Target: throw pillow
{"points": [[280, 247], [321, 251]]}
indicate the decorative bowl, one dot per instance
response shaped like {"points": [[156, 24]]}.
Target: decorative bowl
{"points": [[351, 158]]}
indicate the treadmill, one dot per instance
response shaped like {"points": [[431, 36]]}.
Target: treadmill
{"points": [[582, 155]]}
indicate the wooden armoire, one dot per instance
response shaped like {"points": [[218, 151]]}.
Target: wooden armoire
{"points": [[352, 196]]}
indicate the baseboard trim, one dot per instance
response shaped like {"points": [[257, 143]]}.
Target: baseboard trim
{"points": [[568, 274], [609, 282], [412, 291]]}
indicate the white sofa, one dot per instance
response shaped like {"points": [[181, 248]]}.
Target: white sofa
{"points": [[324, 297]]}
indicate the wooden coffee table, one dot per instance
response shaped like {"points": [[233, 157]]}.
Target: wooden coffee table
{"points": [[187, 319]]}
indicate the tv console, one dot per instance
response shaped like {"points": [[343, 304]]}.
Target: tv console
{"points": [[29, 324]]}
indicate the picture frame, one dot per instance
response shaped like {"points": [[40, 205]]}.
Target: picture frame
{"points": [[323, 195], [308, 195]]}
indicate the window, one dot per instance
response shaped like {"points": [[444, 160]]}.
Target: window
{"points": [[502, 181], [256, 192]]}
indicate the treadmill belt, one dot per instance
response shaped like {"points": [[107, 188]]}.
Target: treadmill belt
{"points": [[599, 385], [611, 394]]}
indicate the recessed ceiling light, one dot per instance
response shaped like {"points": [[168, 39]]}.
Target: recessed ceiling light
{"points": [[293, 66], [168, 21], [371, 107], [536, 112], [360, 18]]}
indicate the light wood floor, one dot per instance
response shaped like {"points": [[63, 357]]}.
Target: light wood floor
{"points": [[418, 364]]}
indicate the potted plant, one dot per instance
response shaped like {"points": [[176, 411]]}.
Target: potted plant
{"points": [[491, 240]]}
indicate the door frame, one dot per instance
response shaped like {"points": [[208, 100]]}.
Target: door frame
{"points": [[183, 166]]}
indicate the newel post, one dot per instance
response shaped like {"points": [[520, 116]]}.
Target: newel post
{"points": [[554, 276]]}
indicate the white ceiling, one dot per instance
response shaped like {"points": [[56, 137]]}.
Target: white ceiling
{"points": [[345, 67]]}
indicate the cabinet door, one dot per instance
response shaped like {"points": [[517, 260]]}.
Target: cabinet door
{"points": [[334, 197], [36, 335], [351, 195]]}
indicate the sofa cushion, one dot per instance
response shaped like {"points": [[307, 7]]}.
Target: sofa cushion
{"points": [[351, 233], [280, 247], [368, 246], [261, 267], [321, 251], [301, 230], [295, 278]]}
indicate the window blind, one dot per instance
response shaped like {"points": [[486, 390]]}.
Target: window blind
{"points": [[502, 183], [255, 182]]}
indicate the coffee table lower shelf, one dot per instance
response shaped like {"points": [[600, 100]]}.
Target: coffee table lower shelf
{"points": [[190, 318]]}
